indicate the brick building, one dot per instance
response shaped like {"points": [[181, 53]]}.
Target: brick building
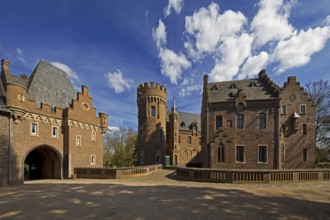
{"points": [[254, 123], [164, 132], [47, 129]]}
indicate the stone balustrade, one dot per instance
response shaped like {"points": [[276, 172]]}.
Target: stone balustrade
{"points": [[114, 173], [252, 176]]}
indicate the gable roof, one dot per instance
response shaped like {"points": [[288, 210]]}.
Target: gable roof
{"points": [[226, 91], [51, 85], [186, 119]]}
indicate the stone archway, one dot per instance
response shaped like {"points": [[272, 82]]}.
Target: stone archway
{"points": [[42, 162]]}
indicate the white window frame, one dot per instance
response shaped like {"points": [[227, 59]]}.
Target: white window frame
{"points": [[93, 160], [78, 137], [189, 139], [244, 161], [282, 109], [35, 133], [263, 145], [56, 133], [301, 112]]}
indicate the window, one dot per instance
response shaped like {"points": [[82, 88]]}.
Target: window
{"points": [[302, 109], [93, 136], [189, 139], [221, 153], [53, 109], [262, 120], [240, 154], [175, 159], [179, 139], [240, 121], [262, 154], [218, 121], [304, 129], [54, 132], [304, 154], [34, 128], [93, 160], [283, 109], [78, 140], [153, 112]]}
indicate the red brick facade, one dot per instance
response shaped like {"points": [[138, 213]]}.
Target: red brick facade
{"points": [[256, 124], [48, 141]]}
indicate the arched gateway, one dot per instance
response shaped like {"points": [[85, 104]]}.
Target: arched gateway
{"points": [[43, 162]]}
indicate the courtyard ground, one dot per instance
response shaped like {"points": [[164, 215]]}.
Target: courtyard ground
{"points": [[161, 196]]}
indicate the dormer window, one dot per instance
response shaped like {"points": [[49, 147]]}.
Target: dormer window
{"points": [[183, 125], [233, 86], [253, 84], [214, 87]]}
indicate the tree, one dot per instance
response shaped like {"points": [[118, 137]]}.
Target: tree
{"points": [[319, 91], [23, 76], [119, 146]]}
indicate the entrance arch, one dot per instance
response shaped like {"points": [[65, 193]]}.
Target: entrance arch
{"points": [[42, 162]]}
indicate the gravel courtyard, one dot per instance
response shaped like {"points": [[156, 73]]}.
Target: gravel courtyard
{"points": [[161, 196]]}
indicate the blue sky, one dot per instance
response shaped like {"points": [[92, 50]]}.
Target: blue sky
{"points": [[113, 46]]}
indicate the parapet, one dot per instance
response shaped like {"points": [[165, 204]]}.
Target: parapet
{"points": [[151, 89]]}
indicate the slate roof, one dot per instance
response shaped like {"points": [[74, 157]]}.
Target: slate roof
{"points": [[186, 119], [51, 85], [225, 91]]}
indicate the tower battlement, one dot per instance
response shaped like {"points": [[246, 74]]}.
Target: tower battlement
{"points": [[151, 89]]}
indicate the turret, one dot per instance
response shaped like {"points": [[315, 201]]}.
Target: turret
{"points": [[174, 132], [103, 122], [152, 107]]}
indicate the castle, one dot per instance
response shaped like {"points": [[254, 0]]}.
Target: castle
{"points": [[244, 124], [165, 136], [47, 129]]}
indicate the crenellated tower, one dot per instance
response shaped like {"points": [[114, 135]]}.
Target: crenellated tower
{"points": [[174, 134], [152, 110]]}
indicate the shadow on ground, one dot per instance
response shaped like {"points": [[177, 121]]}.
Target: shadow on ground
{"points": [[112, 201]]}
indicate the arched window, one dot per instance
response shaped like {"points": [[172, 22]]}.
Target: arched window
{"points": [[221, 153]]}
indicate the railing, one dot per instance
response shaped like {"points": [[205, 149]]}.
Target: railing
{"points": [[252, 176], [114, 173]]}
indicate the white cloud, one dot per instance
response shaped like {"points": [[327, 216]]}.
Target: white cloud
{"points": [[271, 22], [253, 65], [117, 82], [175, 4], [233, 53], [190, 89], [159, 34], [19, 51], [113, 128], [298, 50], [327, 20], [208, 28], [173, 64], [72, 75]]}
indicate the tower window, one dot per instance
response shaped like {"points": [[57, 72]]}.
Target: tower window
{"points": [[302, 109], [153, 112], [218, 121], [189, 139], [240, 154], [240, 121], [283, 109], [262, 152], [304, 154], [262, 120], [93, 160], [34, 128], [78, 140], [54, 132]]}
